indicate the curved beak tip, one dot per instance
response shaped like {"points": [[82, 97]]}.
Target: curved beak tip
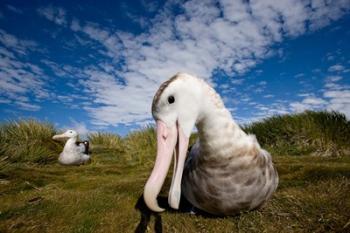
{"points": [[152, 203], [167, 140], [174, 199]]}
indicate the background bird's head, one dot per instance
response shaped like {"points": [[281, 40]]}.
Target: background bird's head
{"points": [[66, 135]]}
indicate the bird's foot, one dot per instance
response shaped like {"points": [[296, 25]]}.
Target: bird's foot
{"points": [[193, 210]]}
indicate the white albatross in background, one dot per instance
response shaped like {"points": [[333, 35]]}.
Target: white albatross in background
{"points": [[74, 152], [226, 170]]}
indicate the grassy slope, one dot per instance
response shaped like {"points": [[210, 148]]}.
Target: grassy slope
{"points": [[316, 133], [313, 195]]}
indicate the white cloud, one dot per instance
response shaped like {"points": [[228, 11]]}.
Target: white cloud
{"points": [[299, 107], [232, 36], [336, 68], [299, 75], [335, 97], [14, 9], [265, 111], [21, 47], [55, 14], [338, 95], [314, 101], [339, 101], [333, 78], [20, 78], [27, 106], [237, 81], [331, 83], [308, 103], [79, 127]]}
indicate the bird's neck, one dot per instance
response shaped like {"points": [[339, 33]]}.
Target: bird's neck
{"points": [[219, 135], [70, 143]]}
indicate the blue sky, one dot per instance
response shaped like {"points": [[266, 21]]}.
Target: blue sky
{"points": [[95, 65]]}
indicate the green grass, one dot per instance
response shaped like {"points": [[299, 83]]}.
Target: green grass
{"points": [[104, 196], [316, 133], [313, 196], [141, 146], [107, 140], [28, 141]]}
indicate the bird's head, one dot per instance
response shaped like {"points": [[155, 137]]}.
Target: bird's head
{"points": [[68, 134], [176, 107]]}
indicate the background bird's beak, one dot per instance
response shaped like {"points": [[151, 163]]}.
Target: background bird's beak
{"points": [[59, 136], [167, 139]]}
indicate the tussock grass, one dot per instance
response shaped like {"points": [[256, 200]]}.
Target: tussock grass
{"points": [[28, 141], [104, 196], [317, 133], [106, 141], [138, 147], [141, 146]]}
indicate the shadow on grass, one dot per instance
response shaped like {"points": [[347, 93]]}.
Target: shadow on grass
{"points": [[146, 214], [146, 217]]}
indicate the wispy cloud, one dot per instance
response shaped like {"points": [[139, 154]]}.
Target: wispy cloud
{"points": [[55, 14], [336, 68], [231, 36], [14, 9], [339, 101], [337, 95], [20, 78], [309, 103], [78, 126], [334, 96], [19, 46]]}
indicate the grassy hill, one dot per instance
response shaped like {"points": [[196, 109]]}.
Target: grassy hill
{"points": [[39, 195], [315, 133]]}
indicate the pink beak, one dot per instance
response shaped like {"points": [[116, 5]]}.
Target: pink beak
{"points": [[167, 140]]}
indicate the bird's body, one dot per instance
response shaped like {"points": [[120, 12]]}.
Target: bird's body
{"points": [[84, 145], [226, 170], [74, 152]]}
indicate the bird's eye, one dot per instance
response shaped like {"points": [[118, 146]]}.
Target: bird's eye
{"points": [[171, 99]]}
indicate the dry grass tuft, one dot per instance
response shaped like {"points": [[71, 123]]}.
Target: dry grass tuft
{"points": [[28, 141], [316, 133]]}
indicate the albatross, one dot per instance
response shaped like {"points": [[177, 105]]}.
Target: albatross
{"points": [[225, 172], [74, 152]]}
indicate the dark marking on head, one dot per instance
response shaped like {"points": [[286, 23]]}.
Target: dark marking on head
{"points": [[160, 90]]}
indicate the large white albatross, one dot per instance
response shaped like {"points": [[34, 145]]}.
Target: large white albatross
{"points": [[74, 152], [226, 170]]}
